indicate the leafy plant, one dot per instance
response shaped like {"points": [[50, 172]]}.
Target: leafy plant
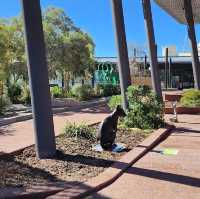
{"points": [[14, 92], [56, 91], [191, 98], [107, 89], [3, 104], [83, 92], [79, 131], [25, 96], [98, 90], [145, 108], [114, 101]]}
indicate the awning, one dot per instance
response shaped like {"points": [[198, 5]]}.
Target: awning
{"points": [[175, 8]]}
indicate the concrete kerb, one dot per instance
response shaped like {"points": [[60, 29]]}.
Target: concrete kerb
{"points": [[28, 116], [117, 169]]}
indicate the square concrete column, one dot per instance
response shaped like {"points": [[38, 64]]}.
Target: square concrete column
{"points": [[38, 79], [155, 74], [123, 60], [193, 42]]}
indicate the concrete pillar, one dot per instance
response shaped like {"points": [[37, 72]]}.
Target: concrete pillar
{"points": [[155, 75], [123, 60], [38, 79], [193, 42]]}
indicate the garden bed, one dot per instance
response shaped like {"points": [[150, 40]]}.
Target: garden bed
{"points": [[76, 161]]}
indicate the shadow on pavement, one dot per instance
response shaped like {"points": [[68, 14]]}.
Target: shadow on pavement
{"points": [[180, 179]]}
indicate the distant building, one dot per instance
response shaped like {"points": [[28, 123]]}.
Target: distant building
{"points": [[184, 54], [171, 50], [189, 54]]}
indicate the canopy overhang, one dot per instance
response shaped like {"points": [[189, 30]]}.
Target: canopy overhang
{"points": [[175, 8]]}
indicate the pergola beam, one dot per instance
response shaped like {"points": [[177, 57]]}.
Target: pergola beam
{"points": [[155, 74], [123, 60], [38, 79], [193, 42]]}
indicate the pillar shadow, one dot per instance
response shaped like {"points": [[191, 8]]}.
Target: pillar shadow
{"points": [[165, 176], [42, 184], [5, 131], [185, 130]]}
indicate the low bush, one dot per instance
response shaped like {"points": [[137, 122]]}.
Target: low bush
{"points": [[67, 94], [107, 90], [114, 101], [191, 98], [83, 92], [98, 90], [145, 108], [79, 131], [26, 95], [56, 91], [3, 104], [14, 93]]}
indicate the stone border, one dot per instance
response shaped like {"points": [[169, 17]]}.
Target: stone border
{"points": [[183, 110], [28, 116], [68, 190]]}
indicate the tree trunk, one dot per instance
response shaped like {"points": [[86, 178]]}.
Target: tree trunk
{"points": [[66, 81], [82, 82]]}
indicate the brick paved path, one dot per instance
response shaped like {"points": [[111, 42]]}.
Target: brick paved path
{"points": [[19, 135], [161, 176]]}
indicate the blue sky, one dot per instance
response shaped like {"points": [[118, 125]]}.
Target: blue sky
{"points": [[94, 17]]}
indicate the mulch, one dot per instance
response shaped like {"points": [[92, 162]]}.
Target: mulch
{"points": [[75, 161]]}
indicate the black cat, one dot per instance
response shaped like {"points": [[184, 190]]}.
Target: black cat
{"points": [[108, 128]]}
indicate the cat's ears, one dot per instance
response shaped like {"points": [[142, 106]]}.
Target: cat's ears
{"points": [[118, 107]]}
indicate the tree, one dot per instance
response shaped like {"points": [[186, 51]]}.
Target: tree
{"points": [[69, 50], [13, 49]]}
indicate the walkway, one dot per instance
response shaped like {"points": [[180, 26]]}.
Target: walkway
{"points": [[164, 176], [19, 135]]}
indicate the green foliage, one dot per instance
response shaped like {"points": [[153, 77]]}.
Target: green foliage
{"points": [[70, 51], [145, 108], [56, 91], [98, 90], [3, 104], [83, 92], [14, 92], [114, 101], [26, 95], [107, 90], [68, 94], [191, 98], [79, 131]]}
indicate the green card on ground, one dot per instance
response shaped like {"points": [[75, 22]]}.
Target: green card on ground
{"points": [[169, 151]]}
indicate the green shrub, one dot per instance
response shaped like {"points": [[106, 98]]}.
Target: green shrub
{"points": [[114, 101], [83, 92], [56, 91], [79, 131], [3, 104], [145, 108], [108, 89], [14, 93], [191, 98], [26, 95], [98, 90], [67, 94]]}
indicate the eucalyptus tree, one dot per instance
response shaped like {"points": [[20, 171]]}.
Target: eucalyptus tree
{"points": [[69, 50]]}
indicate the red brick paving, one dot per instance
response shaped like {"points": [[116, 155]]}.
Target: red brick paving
{"points": [[161, 176], [20, 135]]}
